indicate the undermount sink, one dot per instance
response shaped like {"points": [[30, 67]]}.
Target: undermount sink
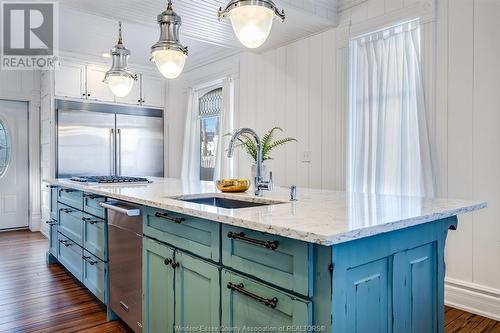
{"points": [[227, 203]]}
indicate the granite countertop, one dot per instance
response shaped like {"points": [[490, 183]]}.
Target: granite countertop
{"points": [[319, 216]]}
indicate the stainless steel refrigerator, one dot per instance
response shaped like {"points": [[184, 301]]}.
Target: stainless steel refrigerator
{"points": [[109, 140]]}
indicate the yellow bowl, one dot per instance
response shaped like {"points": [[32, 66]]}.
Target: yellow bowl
{"points": [[233, 185]]}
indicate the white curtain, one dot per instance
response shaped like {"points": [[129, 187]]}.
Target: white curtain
{"points": [[191, 149], [223, 164], [389, 148]]}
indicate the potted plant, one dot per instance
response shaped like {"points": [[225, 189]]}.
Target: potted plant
{"points": [[248, 143]]}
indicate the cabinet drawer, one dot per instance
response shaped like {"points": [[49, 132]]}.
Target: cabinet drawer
{"points": [[94, 236], [191, 234], [247, 303], [70, 197], [277, 260], [91, 205], [70, 256], [53, 239], [71, 223], [94, 275]]}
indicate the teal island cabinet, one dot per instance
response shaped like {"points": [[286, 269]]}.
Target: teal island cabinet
{"points": [[390, 282], [78, 237], [331, 262]]}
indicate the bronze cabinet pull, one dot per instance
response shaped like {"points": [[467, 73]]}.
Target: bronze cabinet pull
{"points": [[67, 190], [92, 263], [90, 220], [270, 302], [91, 196], [165, 216], [66, 210], [172, 263], [273, 245], [51, 222]]}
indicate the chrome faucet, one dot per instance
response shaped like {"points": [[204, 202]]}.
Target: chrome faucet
{"points": [[260, 183]]}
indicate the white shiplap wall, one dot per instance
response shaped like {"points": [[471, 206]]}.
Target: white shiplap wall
{"points": [[292, 87]]}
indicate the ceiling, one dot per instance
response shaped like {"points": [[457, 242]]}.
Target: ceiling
{"points": [[90, 27]]}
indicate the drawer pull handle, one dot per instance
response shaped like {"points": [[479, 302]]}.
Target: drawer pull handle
{"points": [[87, 259], [62, 241], [91, 196], [90, 220], [165, 216], [66, 210], [67, 190], [273, 245], [51, 222], [270, 302], [172, 263], [50, 186]]}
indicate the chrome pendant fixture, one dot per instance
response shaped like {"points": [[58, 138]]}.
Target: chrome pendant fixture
{"points": [[119, 79], [168, 53], [252, 20]]}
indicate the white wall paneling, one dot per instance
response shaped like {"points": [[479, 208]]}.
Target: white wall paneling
{"points": [[25, 86]]}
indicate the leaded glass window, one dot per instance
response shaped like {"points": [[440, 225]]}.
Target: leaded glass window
{"points": [[210, 105]]}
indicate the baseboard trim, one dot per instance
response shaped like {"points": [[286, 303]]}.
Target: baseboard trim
{"points": [[473, 298]]}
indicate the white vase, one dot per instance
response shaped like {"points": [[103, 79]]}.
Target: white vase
{"points": [[254, 171]]}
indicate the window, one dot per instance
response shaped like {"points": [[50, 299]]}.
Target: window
{"points": [[210, 105], [4, 149], [389, 151]]}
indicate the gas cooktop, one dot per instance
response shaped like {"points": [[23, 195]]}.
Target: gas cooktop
{"points": [[110, 180]]}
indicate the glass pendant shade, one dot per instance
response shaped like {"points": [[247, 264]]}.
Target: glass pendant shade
{"points": [[252, 20], [119, 79], [168, 53], [170, 63], [252, 24], [120, 85]]}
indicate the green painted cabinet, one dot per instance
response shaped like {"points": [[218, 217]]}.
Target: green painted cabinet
{"points": [[197, 292], [158, 287], [71, 223], [94, 275], [91, 205], [70, 256], [53, 202], [415, 290], [95, 236], [248, 303], [54, 238], [70, 197]]}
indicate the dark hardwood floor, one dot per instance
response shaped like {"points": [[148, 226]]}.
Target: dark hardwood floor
{"points": [[35, 297]]}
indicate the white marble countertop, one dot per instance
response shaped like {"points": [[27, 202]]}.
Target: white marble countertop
{"points": [[319, 216]]}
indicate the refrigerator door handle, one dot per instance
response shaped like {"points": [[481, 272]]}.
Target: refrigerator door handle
{"points": [[119, 152], [112, 150]]}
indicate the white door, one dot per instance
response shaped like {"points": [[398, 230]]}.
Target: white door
{"points": [[96, 89], [14, 174], [70, 81], [153, 91]]}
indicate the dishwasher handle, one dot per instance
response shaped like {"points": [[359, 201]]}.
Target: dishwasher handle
{"points": [[114, 206]]}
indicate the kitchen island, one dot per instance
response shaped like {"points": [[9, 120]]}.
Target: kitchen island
{"points": [[331, 261]]}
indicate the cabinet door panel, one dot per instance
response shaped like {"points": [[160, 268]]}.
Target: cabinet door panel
{"points": [[158, 287], [153, 91], [240, 309], [197, 292], [95, 236], [70, 256], [94, 275], [134, 97], [415, 290], [53, 203], [54, 240], [365, 299], [71, 223], [70, 81], [96, 89]]}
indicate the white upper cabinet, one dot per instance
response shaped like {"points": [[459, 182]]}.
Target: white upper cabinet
{"points": [[96, 89], [134, 97], [70, 81], [153, 91], [73, 80]]}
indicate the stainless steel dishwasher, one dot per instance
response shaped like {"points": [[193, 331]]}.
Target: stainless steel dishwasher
{"points": [[125, 261]]}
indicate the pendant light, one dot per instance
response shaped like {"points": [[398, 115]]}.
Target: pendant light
{"points": [[168, 53], [252, 20], [119, 79]]}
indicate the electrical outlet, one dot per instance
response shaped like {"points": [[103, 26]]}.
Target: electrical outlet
{"points": [[306, 157]]}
